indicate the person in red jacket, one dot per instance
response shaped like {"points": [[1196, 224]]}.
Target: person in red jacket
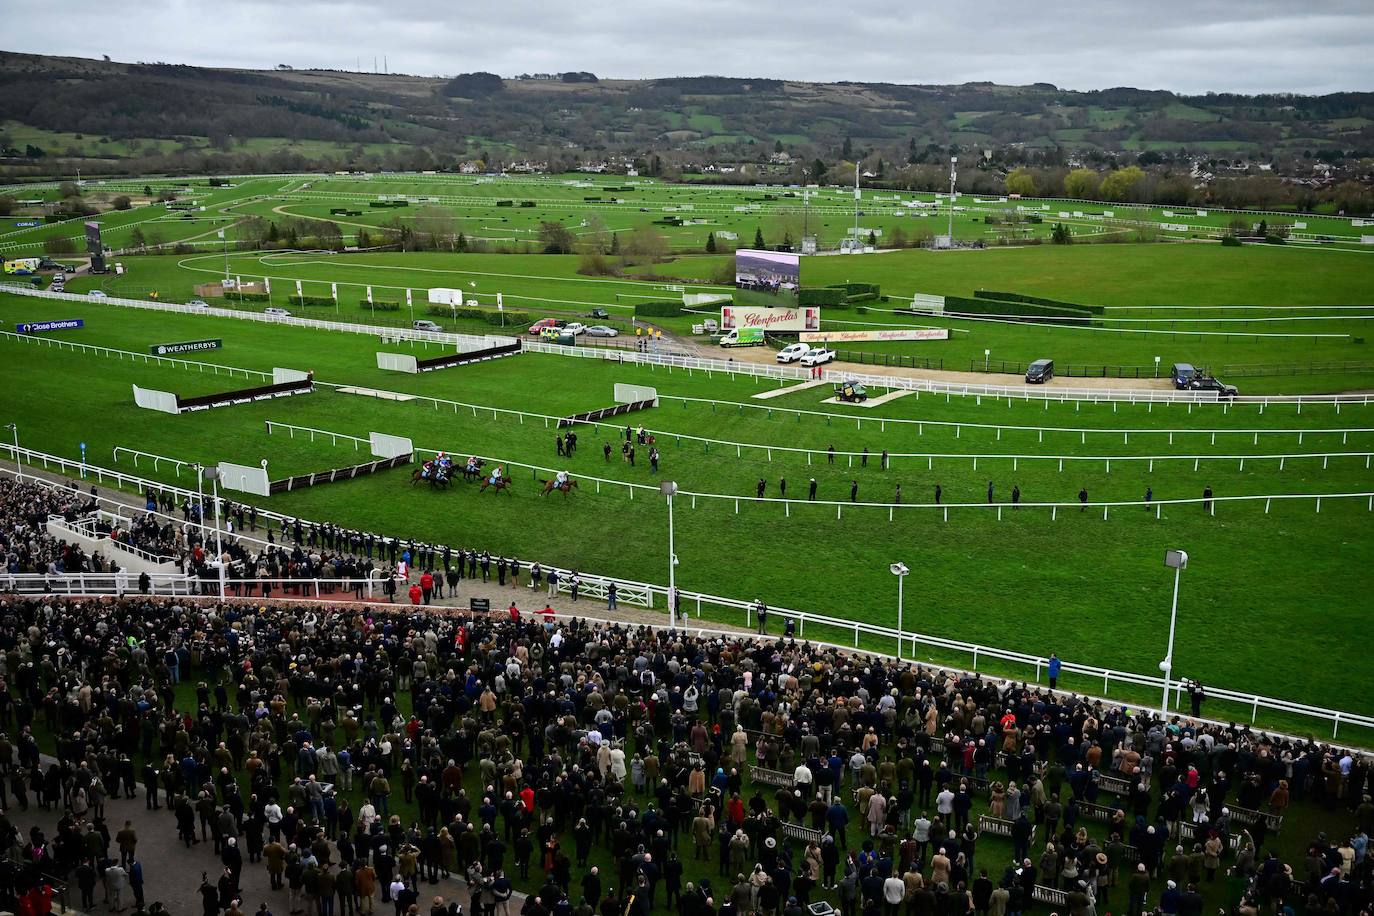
{"points": [[427, 585], [416, 594], [514, 613]]}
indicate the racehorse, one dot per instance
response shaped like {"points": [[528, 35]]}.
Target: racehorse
{"points": [[439, 478], [472, 473], [550, 486], [503, 484]]}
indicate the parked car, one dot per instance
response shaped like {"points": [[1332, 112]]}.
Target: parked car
{"points": [[817, 356], [276, 312], [538, 327], [1181, 374], [1040, 371], [198, 304], [793, 352], [601, 330], [574, 328], [97, 294], [1208, 383], [599, 313], [424, 324]]}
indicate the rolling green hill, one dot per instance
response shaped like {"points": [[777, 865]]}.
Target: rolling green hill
{"points": [[142, 118]]}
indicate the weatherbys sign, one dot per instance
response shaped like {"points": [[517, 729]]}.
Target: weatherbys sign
{"points": [[190, 346], [804, 318], [38, 327], [862, 336]]}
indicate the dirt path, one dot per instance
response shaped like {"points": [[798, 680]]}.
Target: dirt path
{"points": [[768, 356]]}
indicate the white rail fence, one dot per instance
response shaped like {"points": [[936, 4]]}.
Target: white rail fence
{"points": [[1209, 503], [728, 366], [957, 426], [596, 587]]}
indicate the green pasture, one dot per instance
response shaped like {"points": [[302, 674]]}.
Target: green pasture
{"points": [[1093, 590]]}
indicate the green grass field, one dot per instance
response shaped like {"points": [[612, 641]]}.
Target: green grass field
{"points": [[1268, 599], [1162, 300]]}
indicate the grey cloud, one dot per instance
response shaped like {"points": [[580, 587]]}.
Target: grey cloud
{"points": [[1257, 46]]}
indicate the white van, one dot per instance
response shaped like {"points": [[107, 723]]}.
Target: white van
{"points": [[276, 312], [792, 352]]}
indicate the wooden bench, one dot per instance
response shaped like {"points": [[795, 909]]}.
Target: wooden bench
{"points": [[1000, 826], [800, 832], [1249, 817], [1104, 813], [1197, 833], [1117, 785], [1051, 895], [772, 777]]}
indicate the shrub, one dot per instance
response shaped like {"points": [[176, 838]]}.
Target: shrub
{"points": [[1230, 241], [247, 297], [824, 295], [308, 301], [505, 203], [508, 319], [1035, 300], [1018, 311], [665, 309], [378, 305]]}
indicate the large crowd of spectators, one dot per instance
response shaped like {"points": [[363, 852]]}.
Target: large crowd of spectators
{"points": [[360, 751]]}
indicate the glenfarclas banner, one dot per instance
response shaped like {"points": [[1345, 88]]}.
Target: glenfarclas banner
{"points": [[878, 334], [800, 318]]}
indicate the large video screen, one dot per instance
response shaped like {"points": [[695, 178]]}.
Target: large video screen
{"points": [[767, 278]]}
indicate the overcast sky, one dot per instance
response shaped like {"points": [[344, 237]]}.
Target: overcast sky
{"points": [[1309, 46]]}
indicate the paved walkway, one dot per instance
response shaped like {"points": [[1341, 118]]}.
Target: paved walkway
{"points": [[172, 873]]}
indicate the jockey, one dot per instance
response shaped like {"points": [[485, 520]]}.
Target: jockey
{"points": [[496, 475], [472, 462], [427, 468], [560, 479]]}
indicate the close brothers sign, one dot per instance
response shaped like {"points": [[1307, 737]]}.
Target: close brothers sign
{"points": [[40, 327], [835, 337]]}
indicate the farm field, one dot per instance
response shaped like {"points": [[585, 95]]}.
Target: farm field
{"points": [[1092, 589]]}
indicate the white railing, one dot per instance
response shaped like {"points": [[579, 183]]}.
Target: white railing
{"points": [[177, 463], [88, 527], [102, 584], [650, 593], [439, 337], [727, 366], [882, 422], [58, 343], [1209, 503]]}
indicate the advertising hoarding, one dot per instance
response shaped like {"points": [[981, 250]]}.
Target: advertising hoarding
{"points": [[835, 337], [805, 318]]}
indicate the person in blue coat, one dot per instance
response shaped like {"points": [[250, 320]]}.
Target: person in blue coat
{"points": [[1055, 664]]}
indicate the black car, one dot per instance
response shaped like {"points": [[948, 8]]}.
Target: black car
{"points": [[599, 313], [1209, 383]]}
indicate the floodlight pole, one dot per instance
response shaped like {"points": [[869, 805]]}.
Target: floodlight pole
{"points": [[901, 571], [668, 488], [1178, 559], [856, 198], [953, 160], [18, 461]]}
